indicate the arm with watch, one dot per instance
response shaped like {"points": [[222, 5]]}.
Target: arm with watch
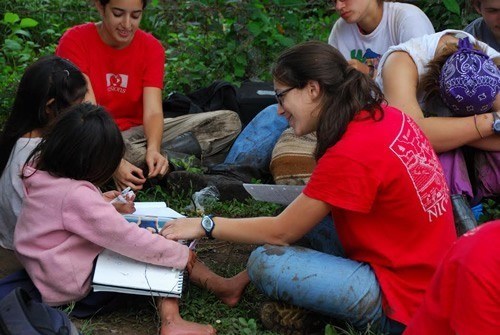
{"points": [[290, 225], [400, 81], [492, 125]]}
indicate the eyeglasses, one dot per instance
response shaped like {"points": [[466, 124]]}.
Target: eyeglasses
{"points": [[279, 95]]}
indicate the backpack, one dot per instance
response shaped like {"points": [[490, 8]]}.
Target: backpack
{"points": [[219, 95], [20, 314], [254, 96]]}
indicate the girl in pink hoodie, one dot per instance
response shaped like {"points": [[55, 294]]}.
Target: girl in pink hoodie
{"points": [[65, 221]]}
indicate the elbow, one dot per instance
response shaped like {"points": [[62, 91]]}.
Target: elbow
{"points": [[283, 239], [278, 232]]}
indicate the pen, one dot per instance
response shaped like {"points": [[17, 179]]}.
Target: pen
{"points": [[121, 196], [192, 245]]}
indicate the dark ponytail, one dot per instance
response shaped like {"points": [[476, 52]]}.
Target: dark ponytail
{"points": [[345, 90]]}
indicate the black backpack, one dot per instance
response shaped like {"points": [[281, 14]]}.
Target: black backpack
{"points": [[21, 315], [219, 95]]}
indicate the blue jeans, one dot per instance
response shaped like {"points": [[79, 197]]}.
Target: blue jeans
{"points": [[254, 145], [323, 282]]}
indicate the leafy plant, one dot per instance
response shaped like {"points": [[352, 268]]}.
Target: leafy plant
{"points": [[16, 52], [491, 210], [447, 14], [17, 47], [246, 327], [188, 164], [178, 200]]}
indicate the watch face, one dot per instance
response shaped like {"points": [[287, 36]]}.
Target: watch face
{"points": [[207, 223], [496, 126]]}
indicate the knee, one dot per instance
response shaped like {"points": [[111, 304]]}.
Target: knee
{"points": [[231, 119], [262, 262], [255, 262]]}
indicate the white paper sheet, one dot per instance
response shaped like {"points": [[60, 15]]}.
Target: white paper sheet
{"points": [[155, 209]]}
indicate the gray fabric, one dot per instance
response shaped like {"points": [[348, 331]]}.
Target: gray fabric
{"points": [[480, 30]]}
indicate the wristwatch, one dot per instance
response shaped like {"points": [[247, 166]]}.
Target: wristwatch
{"points": [[208, 225], [496, 123]]}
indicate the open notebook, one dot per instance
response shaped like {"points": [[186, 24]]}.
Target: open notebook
{"points": [[116, 273]]}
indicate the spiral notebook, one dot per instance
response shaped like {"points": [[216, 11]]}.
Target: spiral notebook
{"points": [[116, 273]]}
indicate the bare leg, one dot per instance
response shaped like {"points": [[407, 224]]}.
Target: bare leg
{"points": [[228, 290], [173, 324]]}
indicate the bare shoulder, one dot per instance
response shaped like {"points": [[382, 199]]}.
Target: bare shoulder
{"points": [[399, 69], [399, 59], [400, 80]]}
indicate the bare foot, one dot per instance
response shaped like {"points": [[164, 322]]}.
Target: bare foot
{"points": [[173, 324], [228, 290], [183, 327], [231, 292]]}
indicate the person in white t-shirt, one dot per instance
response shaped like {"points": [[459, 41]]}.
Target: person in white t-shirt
{"points": [[367, 28], [47, 87]]}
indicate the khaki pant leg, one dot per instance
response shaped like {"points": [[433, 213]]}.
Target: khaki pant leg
{"points": [[215, 132]]}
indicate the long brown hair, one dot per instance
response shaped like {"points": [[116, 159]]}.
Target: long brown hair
{"points": [[345, 91], [50, 77]]}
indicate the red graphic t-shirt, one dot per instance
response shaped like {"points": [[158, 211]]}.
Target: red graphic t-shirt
{"points": [[390, 204], [464, 296], [118, 77]]}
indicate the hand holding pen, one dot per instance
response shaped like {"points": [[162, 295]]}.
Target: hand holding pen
{"points": [[124, 196], [123, 202]]}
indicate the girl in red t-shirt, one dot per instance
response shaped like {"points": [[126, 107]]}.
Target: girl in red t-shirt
{"points": [[378, 177], [124, 67]]}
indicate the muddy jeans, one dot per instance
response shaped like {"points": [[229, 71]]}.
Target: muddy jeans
{"points": [[324, 282], [215, 131]]}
